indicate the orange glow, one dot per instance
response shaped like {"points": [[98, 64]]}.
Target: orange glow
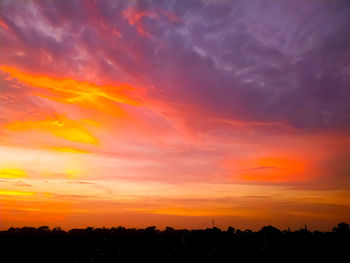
{"points": [[269, 169], [274, 169], [32, 208], [203, 211]]}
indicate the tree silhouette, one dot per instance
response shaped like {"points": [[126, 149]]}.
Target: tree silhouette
{"points": [[29, 244]]}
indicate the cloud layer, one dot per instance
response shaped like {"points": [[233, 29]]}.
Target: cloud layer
{"points": [[177, 94]]}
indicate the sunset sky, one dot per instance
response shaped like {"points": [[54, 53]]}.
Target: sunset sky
{"points": [[174, 113]]}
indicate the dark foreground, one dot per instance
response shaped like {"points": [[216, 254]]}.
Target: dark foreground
{"points": [[151, 245]]}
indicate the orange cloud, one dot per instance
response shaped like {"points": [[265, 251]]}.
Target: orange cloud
{"points": [[134, 19], [60, 126], [72, 91]]}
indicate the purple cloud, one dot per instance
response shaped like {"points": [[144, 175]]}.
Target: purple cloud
{"points": [[252, 61]]}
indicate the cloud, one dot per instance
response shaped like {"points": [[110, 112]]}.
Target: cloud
{"points": [[71, 90], [172, 93], [16, 193], [238, 59], [22, 184], [12, 173], [59, 126]]}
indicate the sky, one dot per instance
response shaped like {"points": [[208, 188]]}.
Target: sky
{"points": [[174, 113]]}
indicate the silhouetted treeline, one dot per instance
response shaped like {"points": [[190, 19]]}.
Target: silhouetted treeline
{"points": [[28, 244]]}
